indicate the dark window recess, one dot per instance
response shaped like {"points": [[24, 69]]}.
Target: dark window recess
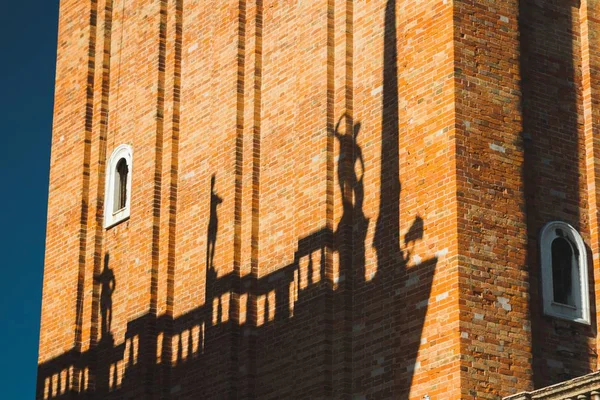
{"points": [[562, 266], [120, 200]]}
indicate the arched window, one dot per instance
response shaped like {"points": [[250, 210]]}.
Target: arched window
{"points": [[118, 186], [120, 189], [564, 273]]}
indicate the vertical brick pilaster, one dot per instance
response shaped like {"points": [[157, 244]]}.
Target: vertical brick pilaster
{"points": [[590, 57], [493, 275]]}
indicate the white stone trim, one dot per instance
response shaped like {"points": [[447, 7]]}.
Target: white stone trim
{"points": [[111, 218], [587, 385], [581, 311]]}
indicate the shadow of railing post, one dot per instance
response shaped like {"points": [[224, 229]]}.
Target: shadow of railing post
{"points": [[175, 344]]}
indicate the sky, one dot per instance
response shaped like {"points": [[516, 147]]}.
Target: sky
{"points": [[27, 66]]}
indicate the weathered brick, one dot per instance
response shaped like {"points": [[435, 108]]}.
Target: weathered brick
{"points": [[381, 172]]}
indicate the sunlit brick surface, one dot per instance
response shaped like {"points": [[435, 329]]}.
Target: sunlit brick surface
{"points": [[335, 199]]}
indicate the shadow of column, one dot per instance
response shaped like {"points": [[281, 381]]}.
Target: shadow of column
{"points": [[551, 82]]}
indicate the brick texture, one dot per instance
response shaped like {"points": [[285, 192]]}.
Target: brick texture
{"points": [[331, 198]]}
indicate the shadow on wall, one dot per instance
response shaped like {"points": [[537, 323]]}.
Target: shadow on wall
{"points": [[295, 333], [553, 171], [108, 284]]}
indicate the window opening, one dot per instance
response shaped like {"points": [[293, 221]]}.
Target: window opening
{"points": [[565, 286], [562, 269], [120, 189], [117, 194]]}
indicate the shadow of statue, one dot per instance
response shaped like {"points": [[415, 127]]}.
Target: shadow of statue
{"points": [[211, 243], [414, 234], [213, 224], [108, 284], [352, 228], [351, 169], [350, 155]]}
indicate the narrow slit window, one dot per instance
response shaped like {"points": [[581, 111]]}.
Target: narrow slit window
{"points": [[562, 269], [120, 189]]}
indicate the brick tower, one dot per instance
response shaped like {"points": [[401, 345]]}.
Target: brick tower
{"points": [[322, 199]]}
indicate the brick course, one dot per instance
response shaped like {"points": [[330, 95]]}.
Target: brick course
{"points": [[381, 171]]}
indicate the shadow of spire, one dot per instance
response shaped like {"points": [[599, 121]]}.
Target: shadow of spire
{"points": [[387, 229]]}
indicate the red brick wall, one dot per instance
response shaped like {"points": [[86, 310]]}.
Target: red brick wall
{"points": [[495, 340], [375, 199], [521, 156], [556, 182], [64, 230]]}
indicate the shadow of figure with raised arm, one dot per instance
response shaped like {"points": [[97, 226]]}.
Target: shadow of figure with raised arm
{"points": [[352, 228], [353, 224], [350, 155], [108, 284]]}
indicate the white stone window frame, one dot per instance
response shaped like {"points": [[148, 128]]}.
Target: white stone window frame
{"points": [[112, 218], [580, 312]]}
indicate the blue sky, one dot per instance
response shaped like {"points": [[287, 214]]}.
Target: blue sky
{"points": [[28, 48]]}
